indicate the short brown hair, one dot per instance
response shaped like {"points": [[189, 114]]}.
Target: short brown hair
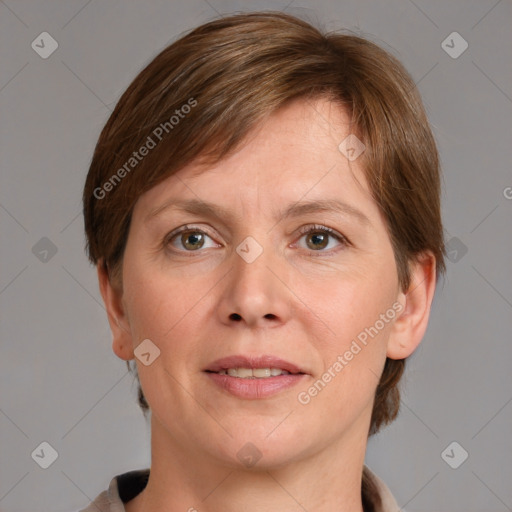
{"points": [[233, 72]]}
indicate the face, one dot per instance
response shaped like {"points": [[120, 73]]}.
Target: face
{"points": [[273, 329]]}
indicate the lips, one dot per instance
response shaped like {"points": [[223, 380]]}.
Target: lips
{"points": [[254, 378], [253, 363]]}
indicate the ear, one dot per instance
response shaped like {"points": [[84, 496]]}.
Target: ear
{"points": [[410, 326], [122, 343]]}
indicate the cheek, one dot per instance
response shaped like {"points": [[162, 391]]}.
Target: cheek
{"points": [[166, 315], [348, 306], [359, 314], [154, 306], [352, 362]]}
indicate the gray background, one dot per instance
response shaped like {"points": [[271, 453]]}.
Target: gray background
{"points": [[60, 381]]}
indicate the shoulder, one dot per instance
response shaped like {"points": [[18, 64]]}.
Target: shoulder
{"points": [[106, 501], [122, 489], [387, 501]]}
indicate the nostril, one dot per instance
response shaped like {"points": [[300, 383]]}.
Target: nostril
{"points": [[235, 316]]}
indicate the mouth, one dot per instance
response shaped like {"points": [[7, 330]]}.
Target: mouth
{"points": [[253, 373], [259, 367], [254, 377]]}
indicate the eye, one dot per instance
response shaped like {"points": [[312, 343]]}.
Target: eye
{"points": [[192, 239], [317, 237], [189, 238]]}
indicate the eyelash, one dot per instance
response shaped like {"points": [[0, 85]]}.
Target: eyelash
{"points": [[316, 228]]}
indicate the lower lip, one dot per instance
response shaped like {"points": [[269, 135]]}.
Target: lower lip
{"points": [[253, 389]]}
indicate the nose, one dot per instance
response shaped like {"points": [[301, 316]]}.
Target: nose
{"points": [[255, 292]]}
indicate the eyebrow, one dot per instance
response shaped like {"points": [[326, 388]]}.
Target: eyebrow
{"points": [[196, 206]]}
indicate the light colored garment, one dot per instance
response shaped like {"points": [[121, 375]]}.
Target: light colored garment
{"points": [[109, 500], [389, 503]]}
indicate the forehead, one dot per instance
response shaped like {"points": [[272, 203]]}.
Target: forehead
{"points": [[292, 155]]}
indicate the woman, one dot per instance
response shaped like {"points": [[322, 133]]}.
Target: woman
{"points": [[263, 209]]}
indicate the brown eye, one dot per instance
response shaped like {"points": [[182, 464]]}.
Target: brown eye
{"points": [[192, 240], [188, 239], [317, 240], [319, 237]]}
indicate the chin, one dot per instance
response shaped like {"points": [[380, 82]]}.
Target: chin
{"points": [[261, 448]]}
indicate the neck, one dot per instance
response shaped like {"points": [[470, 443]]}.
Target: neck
{"points": [[183, 480]]}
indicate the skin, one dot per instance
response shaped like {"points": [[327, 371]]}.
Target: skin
{"points": [[295, 301]]}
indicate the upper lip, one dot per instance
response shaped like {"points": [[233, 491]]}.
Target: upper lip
{"points": [[264, 361]]}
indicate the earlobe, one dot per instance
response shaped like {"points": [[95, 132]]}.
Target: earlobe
{"points": [[122, 343], [411, 325]]}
